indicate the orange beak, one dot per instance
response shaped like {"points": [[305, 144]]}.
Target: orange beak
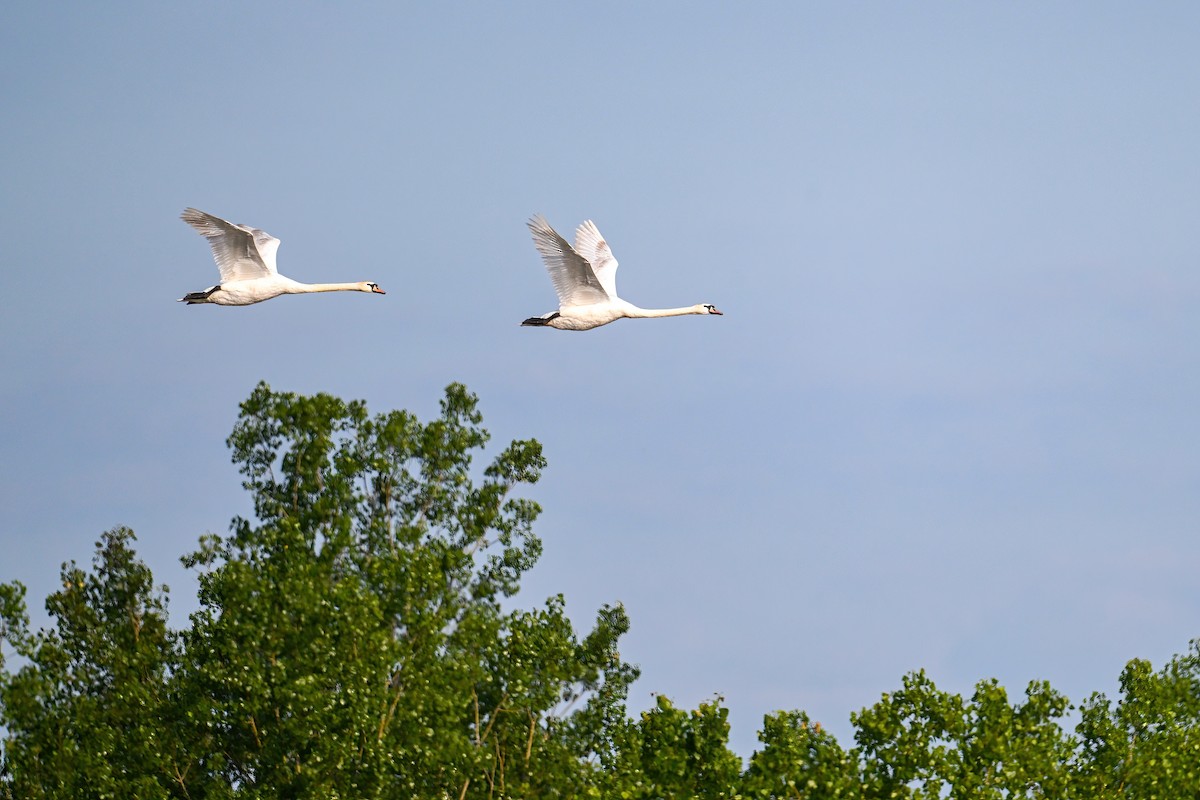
{"points": [[377, 290]]}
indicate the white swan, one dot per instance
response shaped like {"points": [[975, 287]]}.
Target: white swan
{"points": [[245, 257], [585, 278]]}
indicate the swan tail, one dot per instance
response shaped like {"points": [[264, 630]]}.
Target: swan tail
{"points": [[192, 298], [539, 321]]}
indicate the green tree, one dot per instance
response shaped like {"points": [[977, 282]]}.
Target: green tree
{"points": [[1147, 746], [800, 760], [921, 742], [351, 642], [671, 753], [85, 715]]}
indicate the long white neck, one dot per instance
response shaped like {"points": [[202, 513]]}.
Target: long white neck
{"points": [[304, 288], [633, 312]]}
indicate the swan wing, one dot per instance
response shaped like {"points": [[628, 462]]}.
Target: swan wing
{"points": [[590, 244], [571, 274], [241, 252]]}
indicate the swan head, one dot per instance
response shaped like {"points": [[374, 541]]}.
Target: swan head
{"points": [[709, 308], [368, 286]]}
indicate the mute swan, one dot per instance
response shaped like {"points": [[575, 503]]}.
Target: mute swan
{"points": [[585, 278], [245, 257]]}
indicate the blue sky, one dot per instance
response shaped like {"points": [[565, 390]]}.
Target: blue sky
{"points": [[947, 421]]}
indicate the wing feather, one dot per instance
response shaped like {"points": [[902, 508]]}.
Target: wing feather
{"points": [[590, 244], [571, 274], [241, 252]]}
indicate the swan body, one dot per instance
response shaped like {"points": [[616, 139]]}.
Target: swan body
{"points": [[585, 279], [245, 257]]}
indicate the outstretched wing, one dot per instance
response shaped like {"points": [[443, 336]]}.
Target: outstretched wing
{"points": [[573, 278], [241, 252], [591, 245]]}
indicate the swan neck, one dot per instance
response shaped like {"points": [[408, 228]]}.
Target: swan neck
{"points": [[304, 288], [648, 313]]}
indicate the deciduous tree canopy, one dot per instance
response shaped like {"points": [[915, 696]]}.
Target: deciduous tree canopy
{"points": [[351, 642]]}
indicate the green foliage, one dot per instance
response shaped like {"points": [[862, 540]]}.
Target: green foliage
{"points": [[923, 743], [352, 642], [87, 715], [1148, 744], [674, 753], [800, 759]]}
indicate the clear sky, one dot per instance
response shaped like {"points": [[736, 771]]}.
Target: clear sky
{"points": [[949, 419]]}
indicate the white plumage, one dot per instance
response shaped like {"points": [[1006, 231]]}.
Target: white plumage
{"points": [[585, 279], [245, 258]]}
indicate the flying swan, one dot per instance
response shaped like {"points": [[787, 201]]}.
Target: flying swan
{"points": [[585, 278], [245, 257]]}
